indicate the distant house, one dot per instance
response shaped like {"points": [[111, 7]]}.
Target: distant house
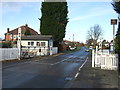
{"points": [[13, 34], [67, 42]]}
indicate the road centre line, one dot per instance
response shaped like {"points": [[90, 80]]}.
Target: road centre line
{"points": [[59, 61]]}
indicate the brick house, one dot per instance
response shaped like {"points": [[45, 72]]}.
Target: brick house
{"points": [[13, 34]]}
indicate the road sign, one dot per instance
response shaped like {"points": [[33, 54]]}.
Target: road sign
{"points": [[113, 21]]}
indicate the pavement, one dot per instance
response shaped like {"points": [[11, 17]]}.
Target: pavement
{"points": [[96, 78]]}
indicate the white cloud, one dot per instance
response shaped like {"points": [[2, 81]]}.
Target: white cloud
{"points": [[17, 6], [12, 7], [94, 13], [21, 0]]}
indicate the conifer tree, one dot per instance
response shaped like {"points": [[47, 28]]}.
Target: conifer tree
{"points": [[27, 32], [54, 20]]}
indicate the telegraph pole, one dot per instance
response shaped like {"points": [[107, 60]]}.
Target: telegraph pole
{"points": [[73, 38]]}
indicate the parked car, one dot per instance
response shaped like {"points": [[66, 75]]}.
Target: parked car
{"points": [[72, 48], [90, 48], [87, 50]]}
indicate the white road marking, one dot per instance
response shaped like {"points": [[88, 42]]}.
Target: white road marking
{"points": [[76, 74], [22, 63], [83, 64], [80, 68], [40, 63], [59, 61]]}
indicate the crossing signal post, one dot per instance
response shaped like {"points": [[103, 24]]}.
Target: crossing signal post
{"points": [[19, 43], [113, 22]]}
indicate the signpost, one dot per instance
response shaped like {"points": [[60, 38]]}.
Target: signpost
{"points": [[113, 22]]}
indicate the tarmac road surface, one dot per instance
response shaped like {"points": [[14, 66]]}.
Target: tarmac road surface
{"points": [[50, 72]]}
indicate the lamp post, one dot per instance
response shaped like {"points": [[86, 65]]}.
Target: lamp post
{"points": [[73, 38]]}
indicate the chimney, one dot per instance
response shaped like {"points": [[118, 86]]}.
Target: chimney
{"points": [[8, 30], [26, 25]]}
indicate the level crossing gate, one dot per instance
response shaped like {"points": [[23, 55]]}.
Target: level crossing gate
{"points": [[104, 60]]}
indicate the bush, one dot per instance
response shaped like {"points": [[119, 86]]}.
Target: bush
{"points": [[6, 44]]}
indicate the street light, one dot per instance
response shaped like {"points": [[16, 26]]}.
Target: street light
{"points": [[39, 24]]}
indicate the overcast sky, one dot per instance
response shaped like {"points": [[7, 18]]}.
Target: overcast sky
{"points": [[82, 15]]}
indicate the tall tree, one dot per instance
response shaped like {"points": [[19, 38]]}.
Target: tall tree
{"points": [[54, 20], [94, 34], [116, 6]]}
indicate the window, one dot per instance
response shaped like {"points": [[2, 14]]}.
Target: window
{"points": [[42, 43], [32, 43], [28, 43], [38, 43], [11, 36], [15, 36]]}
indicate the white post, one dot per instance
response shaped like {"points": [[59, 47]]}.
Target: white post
{"points": [[50, 50], [93, 58], [96, 54], [100, 46], [96, 49], [19, 43], [51, 47]]}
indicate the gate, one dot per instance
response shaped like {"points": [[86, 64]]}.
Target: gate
{"points": [[104, 60]]}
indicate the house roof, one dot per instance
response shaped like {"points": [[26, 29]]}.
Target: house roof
{"points": [[24, 27], [67, 41], [37, 37]]}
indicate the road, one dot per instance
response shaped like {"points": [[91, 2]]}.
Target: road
{"points": [[49, 72]]}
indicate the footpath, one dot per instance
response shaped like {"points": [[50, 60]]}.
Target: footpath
{"points": [[96, 78]]}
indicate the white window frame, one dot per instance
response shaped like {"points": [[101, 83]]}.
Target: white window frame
{"points": [[42, 45]]}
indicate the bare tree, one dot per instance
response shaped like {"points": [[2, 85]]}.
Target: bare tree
{"points": [[94, 33]]}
